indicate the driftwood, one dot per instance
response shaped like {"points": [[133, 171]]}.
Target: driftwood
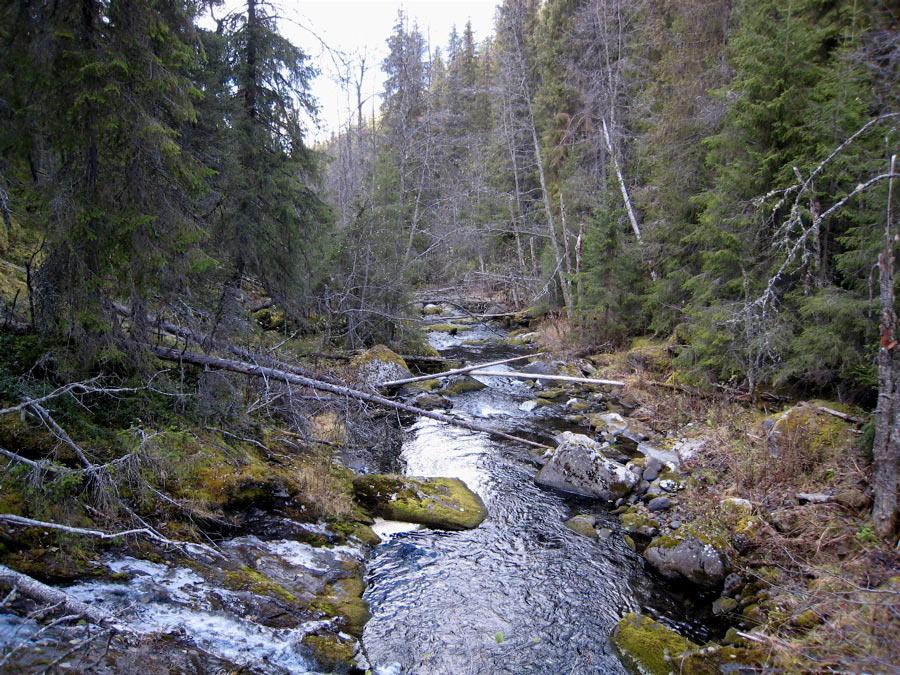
{"points": [[34, 589], [539, 376], [837, 413], [291, 378], [455, 371]]}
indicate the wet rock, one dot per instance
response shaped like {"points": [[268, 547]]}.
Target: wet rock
{"points": [[652, 469], [683, 556], [555, 395], [540, 368], [609, 423], [528, 406], [583, 525], [428, 401], [638, 522], [441, 503], [376, 365], [578, 465], [460, 384], [604, 533], [659, 504]]}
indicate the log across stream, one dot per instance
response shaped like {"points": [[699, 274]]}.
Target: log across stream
{"points": [[520, 593]]}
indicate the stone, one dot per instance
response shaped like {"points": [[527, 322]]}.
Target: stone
{"points": [[652, 469], [610, 422], [805, 431], [670, 485], [733, 584], [428, 401], [853, 499], [724, 606], [432, 310], [461, 384], [641, 488], [578, 465], [540, 368], [689, 559], [604, 533], [647, 646], [687, 448], [583, 525], [637, 522], [376, 365], [674, 524], [735, 506], [659, 504], [440, 503]]}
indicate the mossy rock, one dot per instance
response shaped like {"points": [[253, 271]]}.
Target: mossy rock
{"points": [[332, 652], [554, 395], [270, 318], [649, 355], [637, 522], [583, 525], [648, 647], [807, 434], [248, 579], [379, 364], [462, 384], [440, 503], [432, 310]]}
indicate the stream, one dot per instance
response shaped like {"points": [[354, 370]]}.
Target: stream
{"points": [[521, 593]]}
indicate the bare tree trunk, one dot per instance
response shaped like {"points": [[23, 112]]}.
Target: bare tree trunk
{"points": [[632, 218], [886, 450]]}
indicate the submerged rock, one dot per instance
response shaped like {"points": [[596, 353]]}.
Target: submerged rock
{"points": [[440, 503], [578, 465], [583, 525], [429, 401]]}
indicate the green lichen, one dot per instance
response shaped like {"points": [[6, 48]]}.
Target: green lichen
{"points": [[442, 503], [462, 385], [332, 652]]}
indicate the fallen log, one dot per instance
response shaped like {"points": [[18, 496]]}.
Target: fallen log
{"points": [[538, 376], [39, 592], [455, 371], [290, 378]]}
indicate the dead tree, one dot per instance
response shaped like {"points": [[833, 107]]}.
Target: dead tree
{"points": [[886, 450]]}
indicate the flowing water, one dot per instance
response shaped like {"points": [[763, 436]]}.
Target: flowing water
{"points": [[521, 593]]}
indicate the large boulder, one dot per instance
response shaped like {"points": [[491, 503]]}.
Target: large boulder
{"points": [[376, 365], [807, 435], [440, 503], [578, 465], [690, 555]]}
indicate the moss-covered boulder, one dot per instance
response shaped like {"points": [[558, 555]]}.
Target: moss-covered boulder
{"points": [[698, 555], [648, 647], [440, 503], [460, 384], [432, 310], [649, 355], [378, 364], [270, 318], [808, 436]]}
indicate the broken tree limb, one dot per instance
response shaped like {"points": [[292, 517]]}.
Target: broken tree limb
{"points": [[145, 532], [837, 413], [40, 592], [455, 371], [290, 378], [554, 378]]}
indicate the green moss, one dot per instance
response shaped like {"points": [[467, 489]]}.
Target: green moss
{"points": [[648, 646], [461, 385], [343, 599], [443, 503], [637, 522], [248, 579], [270, 318], [331, 651]]}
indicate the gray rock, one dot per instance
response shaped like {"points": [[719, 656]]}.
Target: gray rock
{"points": [[578, 465], [689, 560], [604, 533], [641, 488], [429, 401], [652, 469], [660, 504], [733, 584], [540, 368], [675, 524], [724, 605]]}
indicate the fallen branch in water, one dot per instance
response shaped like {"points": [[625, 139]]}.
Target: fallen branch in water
{"points": [[34, 589], [290, 378], [455, 371], [553, 378], [145, 532]]}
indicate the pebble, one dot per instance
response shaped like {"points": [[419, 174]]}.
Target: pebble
{"points": [[660, 504], [675, 524]]}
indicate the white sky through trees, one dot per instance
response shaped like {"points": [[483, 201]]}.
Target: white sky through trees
{"points": [[362, 27]]}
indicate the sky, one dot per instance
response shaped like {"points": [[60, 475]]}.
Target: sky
{"points": [[362, 27]]}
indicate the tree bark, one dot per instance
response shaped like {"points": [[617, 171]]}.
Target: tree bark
{"points": [[886, 449]]}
